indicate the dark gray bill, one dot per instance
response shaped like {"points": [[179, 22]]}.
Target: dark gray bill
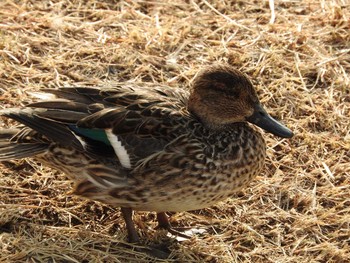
{"points": [[262, 119]]}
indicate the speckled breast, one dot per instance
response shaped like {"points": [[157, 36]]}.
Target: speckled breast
{"points": [[212, 175]]}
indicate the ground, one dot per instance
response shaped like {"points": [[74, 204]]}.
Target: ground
{"points": [[297, 55]]}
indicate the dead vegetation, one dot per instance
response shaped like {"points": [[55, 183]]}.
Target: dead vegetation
{"points": [[296, 52]]}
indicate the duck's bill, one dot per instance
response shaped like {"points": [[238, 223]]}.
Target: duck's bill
{"points": [[262, 119]]}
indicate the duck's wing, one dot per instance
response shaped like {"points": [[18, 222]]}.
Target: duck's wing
{"points": [[138, 122], [16, 143], [127, 121]]}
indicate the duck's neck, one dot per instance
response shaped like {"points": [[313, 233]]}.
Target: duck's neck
{"points": [[236, 133], [238, 142]]}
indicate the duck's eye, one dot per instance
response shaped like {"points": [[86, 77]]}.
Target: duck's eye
{"points": [[235, 93], [219, 86], [223, 88]]}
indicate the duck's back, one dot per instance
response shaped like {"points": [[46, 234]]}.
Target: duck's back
{"points": [[119, 126]]}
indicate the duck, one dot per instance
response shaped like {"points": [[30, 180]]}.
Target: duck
{"points": [[146, 146]]}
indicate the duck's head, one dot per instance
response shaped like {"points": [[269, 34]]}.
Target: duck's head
{"points": [[222, 95]]}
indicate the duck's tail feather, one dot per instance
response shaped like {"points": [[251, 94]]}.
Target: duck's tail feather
{"points": [[11, 149]]}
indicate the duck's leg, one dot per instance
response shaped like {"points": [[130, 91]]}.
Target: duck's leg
{"points": [[163, 223], [134, 238], [132, 234]]}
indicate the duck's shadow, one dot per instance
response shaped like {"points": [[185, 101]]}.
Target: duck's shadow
{"points": [[96, 246], [162, 246]]}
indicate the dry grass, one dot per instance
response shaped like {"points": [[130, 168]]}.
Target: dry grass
{"points": [[298, 209]]}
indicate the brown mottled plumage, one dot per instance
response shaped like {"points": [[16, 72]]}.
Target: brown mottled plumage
{"points": [[148, 147]]}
